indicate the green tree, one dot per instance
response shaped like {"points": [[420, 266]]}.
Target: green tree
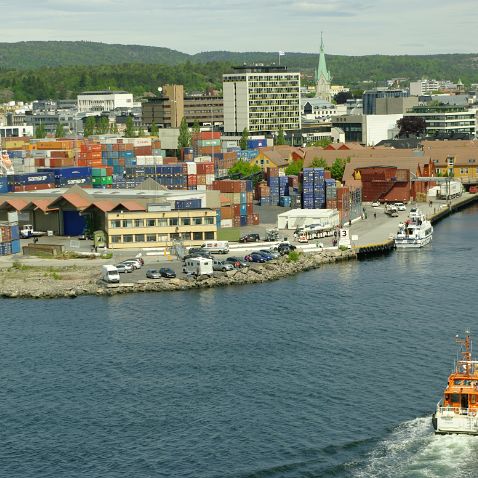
{"points": [[60, 130], [280, 137], [154, 129], [196, 127], [184, 138], [244, 138], [102, 125], [244, 169], [114, 128], [321, 143], [129, 132], [140, 133], [338, 168], [319, 163], [40, 131], [294, 168], [90, 126]]}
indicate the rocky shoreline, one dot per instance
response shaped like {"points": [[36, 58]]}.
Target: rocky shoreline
{"points": [[73, 281]]}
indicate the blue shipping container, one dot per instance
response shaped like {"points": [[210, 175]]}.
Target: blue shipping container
{"points": [[46, 177], [15, 232], [3, 184], [16, 246]]}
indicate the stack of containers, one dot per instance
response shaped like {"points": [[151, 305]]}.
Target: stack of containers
{"points": [[294, 191], [66, 177], [247, 154], [187, 154], [237, 197], [319, 188], [206, 142], [9, 239], [343, 204], [90, 155], [263, 193], [284, 198], [102, 178], [205, 175], [3, 184], [223, 162], [330, 194], [307, 181], [256, 143], [31, 181], [191, 172], [355, 202]]}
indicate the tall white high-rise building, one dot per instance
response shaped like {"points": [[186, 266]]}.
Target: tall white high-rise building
{"points": [[262, 99]]}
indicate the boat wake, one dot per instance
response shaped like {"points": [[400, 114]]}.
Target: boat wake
{"points": [[413, 450]]}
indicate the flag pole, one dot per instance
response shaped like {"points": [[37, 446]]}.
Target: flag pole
{"points": [[279, 58]]}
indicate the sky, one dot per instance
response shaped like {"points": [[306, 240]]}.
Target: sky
{"points": [[350, 27]]}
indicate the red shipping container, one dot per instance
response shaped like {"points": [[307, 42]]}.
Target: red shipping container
{"points": [[255, 219], [170, 160], [205, 168], [250, 219], [237, 210], [236, 222], [202, 135], [250, 208], [327, 174], [227, 212]]}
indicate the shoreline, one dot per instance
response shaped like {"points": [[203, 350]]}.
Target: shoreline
{"points": [[75, 279]]}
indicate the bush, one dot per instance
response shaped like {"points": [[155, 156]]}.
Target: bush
{"points": [[293, 256]]}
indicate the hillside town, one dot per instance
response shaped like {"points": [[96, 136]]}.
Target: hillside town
{"points": [[180, 168]]}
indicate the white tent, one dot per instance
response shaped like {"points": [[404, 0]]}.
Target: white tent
{"points": [[303, 217]]}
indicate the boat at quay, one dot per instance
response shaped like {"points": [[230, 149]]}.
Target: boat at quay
{"points": [[415, 232], [457, 411]]}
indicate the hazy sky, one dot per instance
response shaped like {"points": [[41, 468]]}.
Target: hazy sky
{"points": [[351, 27]]}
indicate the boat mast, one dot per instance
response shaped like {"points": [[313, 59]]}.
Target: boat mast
{"points": [[465, 361]]}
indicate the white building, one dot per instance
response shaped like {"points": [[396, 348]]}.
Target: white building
{"points": [[15, 131], [262, 99], [103, 100], [376, 128], [320, 110], [426, 87]]}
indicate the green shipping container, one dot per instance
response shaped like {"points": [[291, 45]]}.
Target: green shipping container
{"points": [[98, 172]]}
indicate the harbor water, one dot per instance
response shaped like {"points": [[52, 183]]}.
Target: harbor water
{"points": [[333, 372]]}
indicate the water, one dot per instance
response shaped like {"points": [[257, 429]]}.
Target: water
{"points": [[334, 372]]}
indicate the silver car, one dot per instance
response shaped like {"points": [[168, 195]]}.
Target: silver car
{"points": [[222, 266], [123, 268]]}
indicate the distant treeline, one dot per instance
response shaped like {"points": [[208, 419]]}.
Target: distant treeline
{"points": [[30, 70]]}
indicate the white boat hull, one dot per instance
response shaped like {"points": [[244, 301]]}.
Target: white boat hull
{"points": [[412, 243], [446, 422]]}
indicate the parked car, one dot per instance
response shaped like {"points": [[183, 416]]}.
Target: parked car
{"points": [[266, 255], [274, 254], [153, 274], [375, 204], [124, 268], [255, 257], [136, 263], [167, 272], [284, 248], [250, 238], [222, 266], [400, 206], [237, 262]]}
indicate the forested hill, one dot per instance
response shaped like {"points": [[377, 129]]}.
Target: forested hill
{"points": [[30, 70]]}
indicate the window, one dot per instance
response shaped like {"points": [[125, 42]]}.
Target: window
{"points": [[127, 223], [208, 236], [115, 239], [197, 221], [115, 223], [208, 220], [150, 237], [128, 238], [174, 236], [454, 398], [186, 221], [173, 221], [139, 238], [150, 222], [163, 222], [197, 236], [162, 238], [186, 236], [138, 223]]}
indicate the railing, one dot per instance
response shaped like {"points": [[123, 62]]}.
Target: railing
{"points": [[457, 411]]}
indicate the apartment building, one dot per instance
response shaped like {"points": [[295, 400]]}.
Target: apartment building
{"points": [[262, 99], [97, 101]]}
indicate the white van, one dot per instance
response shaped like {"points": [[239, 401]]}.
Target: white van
{"points": [[216, 247], [110, 274], [198, 266]]}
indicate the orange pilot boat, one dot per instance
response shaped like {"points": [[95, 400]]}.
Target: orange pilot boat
{"points": [[457, 411]]}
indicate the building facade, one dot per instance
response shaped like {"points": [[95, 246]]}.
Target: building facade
{"points": [[204, 110], [166, 110], [97, 101], [262, 99], [160, 228], [447, 120], [370, 98]]}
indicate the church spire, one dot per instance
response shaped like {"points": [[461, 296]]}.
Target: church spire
{"points": [[322, 75]]}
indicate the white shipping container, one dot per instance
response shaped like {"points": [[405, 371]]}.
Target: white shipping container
{"points": [[202, 159], [191, 167], [210, 178], [226, 223], [201, 187]]}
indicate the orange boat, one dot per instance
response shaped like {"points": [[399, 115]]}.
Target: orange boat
{"points": [[457, 411]]}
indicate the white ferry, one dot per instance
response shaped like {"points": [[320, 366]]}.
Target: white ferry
{"points": [[415, 232], [457, 411]]}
